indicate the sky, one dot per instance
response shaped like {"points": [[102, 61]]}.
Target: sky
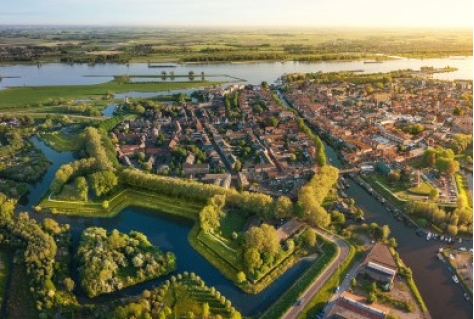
{"points": [[231, 13]]}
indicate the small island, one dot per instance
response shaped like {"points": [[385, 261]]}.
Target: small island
{"points": [[184, 296], [110, 261]]}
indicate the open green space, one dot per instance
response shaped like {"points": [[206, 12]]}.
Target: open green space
{"points": [[34, 95], [122, 199], [423, 189], [62, 142], [245, 44]]}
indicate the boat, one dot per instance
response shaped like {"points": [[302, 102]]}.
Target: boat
{"points": [[455, 279], [344, 195], [344, 182], [372, 62], [428, 237]]}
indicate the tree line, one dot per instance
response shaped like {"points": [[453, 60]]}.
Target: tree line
{"points": [[249, 203], [312, 195], [35, 249]]}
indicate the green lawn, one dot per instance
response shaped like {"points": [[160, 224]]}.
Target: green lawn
{"points": [[61, 142], [125, 198], [33, 95], [423, 189], [233, 221]]}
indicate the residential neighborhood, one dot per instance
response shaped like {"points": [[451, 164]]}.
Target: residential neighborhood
{"points": [[239, 137]]}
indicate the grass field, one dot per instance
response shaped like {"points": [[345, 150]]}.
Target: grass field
{"points": [[123, 199], [61, 142], [423, 189], [33, 95]]}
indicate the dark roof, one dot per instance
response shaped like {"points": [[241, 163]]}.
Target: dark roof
{"points": [[382, 256]]}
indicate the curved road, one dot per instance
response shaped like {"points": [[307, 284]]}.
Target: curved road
{"points": [[313, 289]]}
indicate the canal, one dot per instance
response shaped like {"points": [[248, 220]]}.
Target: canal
{"points": [[164, 230], [442, 296]]}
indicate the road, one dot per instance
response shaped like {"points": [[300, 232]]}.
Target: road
{"points": [[314, 288]]}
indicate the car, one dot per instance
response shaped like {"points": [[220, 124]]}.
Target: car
{"points": [[462, 249], [337, 289], [299, 302]]}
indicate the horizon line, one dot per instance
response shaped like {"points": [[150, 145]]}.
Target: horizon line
{"points": [[201, 26]]}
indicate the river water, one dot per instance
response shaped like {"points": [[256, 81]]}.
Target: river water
{"points": [[255, 73], [442, 296]]}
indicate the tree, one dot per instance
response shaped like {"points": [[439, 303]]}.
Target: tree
{"points": [[353, 283], [252, 259], [237, 166], [68, 284], [338, 218], [205, 310], [434, 194], [283, 207], [241, 277], [452, 230], [371, 297], [394, 177], [392, 242], [141, 156], [209, 218], [191, 75], [103, 182], [309, 237]]}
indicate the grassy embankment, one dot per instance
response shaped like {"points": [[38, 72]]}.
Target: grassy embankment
{"points": [[28, 96], [229, 262], [287, 299], [423, 189], [60, 142], [121, 200]]}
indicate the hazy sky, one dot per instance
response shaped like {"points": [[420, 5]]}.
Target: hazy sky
{"points": [[330, 13]]}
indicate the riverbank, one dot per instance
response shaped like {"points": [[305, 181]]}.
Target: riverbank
{"points": [[27, 96]]}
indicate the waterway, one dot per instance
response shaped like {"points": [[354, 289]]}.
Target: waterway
{"points": [[442, 296], [255, 73], [168, 232]]}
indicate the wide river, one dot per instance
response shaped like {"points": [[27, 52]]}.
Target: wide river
{"points": [[443, 297], [255, 73]]}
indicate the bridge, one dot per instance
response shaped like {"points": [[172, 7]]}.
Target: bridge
{"points": [[349, 170]]}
